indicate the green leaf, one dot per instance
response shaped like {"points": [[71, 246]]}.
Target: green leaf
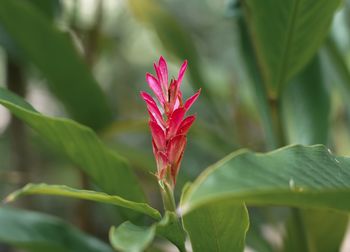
{"points": [[62, 190], [306, 107], [287, 34], [53, 53], [41, 233], [131, 238], [219, 226], [81, 145], [300, 176]]}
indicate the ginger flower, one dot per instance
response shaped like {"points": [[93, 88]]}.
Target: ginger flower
{"points": [[167, 120]]}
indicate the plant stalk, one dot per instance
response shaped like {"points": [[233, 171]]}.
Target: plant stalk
{"points": [[167, 197]]}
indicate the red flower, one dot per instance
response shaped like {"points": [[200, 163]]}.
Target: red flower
{"points": [[167, 123]]}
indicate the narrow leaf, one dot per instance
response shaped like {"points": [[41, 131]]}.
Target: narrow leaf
{"points": [[62, 190]]}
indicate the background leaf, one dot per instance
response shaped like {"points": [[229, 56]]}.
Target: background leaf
{"points": [[306, 107], [287, 34], [52, 52], [41, 233], [62, 190]]}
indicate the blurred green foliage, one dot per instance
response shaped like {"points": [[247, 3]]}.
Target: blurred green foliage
{"points": [[271, 75]]}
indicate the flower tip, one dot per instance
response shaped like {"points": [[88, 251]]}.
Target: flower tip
{"points": [[161, 58]]}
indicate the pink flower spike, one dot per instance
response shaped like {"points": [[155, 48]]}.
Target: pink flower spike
{"points": [[186, 125], [191, 100], [182, 72], [167, 124], [156, 88]]}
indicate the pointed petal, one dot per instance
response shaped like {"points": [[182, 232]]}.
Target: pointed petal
{"points": [[175, 152], [162, 162], [191, 100], [158, 136], [182, 72], [155, 86], [163, 70], [153, 109], [175, 121], [186, 125], [176, 167]]}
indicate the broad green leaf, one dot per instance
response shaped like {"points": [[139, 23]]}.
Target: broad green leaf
{"points": [[62, 190], [41, 233], [131, 238], [81, 145], [52, 52], [300, 176], [287, 34], [219, 226], [306, 107]]}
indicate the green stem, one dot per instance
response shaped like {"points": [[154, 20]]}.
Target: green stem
{"points": [[167, 197]]}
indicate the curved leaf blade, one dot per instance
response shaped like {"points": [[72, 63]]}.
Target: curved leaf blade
{"points": [[131, 238], [287, 34], [300, 176], [62, 190], [68, 76], [38, 232], [81, 145]]}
